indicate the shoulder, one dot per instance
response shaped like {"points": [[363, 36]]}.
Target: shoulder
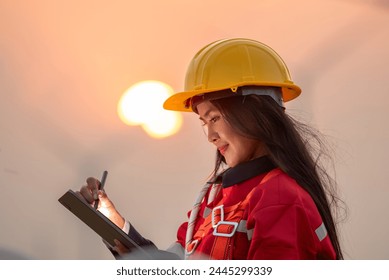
{"points": [[278, 188]]}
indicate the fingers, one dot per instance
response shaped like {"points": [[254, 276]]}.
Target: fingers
{"points": [[92, 195], [103, 200], [93, 185], [86, 193], [90, 191], [81, 196], [120, 248]]}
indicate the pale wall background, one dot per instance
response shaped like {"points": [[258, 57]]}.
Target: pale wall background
{"points": [[65, 64]]}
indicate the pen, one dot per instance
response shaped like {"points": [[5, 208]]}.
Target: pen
{"points": [[101, 187]]}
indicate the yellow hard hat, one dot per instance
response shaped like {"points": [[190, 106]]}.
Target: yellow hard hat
{"points": [[230, 64]]}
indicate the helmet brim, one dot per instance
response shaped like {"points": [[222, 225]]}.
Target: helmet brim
{"points": [[178, 101]]}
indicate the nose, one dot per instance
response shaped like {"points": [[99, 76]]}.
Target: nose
{"points": [[212, 135]]}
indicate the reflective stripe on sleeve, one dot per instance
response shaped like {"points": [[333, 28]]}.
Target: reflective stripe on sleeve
{"points": [[321, 232], [250, 234]]}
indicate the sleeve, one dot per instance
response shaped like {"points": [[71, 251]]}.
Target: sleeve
{"points": [[150, 251], [126, 227], [178, 247], [280, 232]]}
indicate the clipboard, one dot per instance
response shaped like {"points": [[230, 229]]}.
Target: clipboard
{"points": [[97, 221]]}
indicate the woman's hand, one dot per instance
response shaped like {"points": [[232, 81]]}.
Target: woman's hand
{"points": [[120, 248], [92, 195]]}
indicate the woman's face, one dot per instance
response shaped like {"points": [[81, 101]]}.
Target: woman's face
{"points": [[234, 147]]}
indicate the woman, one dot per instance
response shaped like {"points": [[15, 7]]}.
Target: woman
{"points": [[268, 197]]}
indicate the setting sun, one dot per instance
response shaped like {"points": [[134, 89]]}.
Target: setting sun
{"points": [[141, 105]]}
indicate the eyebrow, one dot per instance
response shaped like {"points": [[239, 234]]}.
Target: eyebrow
{"points": [[206, 114]]}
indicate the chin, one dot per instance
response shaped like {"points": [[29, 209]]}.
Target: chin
{"points": [[231, 164]]}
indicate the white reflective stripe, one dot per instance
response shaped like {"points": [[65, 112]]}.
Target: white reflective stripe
{"points": [[242, 226], [250, 234], [207, 211], [321, 232]]}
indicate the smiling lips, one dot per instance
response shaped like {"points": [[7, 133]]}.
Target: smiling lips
{"points": [[223, 149]]}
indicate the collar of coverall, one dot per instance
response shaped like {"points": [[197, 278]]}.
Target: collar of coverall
{"points": [[244, 171]]}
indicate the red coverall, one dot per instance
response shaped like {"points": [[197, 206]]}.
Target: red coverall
{"points": [[280, 221]]}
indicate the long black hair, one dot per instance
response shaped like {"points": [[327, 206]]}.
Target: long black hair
{"points": [[291, 145]]}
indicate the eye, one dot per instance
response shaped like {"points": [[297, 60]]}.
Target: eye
{"points": [[210, 121], [214, 119]]}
